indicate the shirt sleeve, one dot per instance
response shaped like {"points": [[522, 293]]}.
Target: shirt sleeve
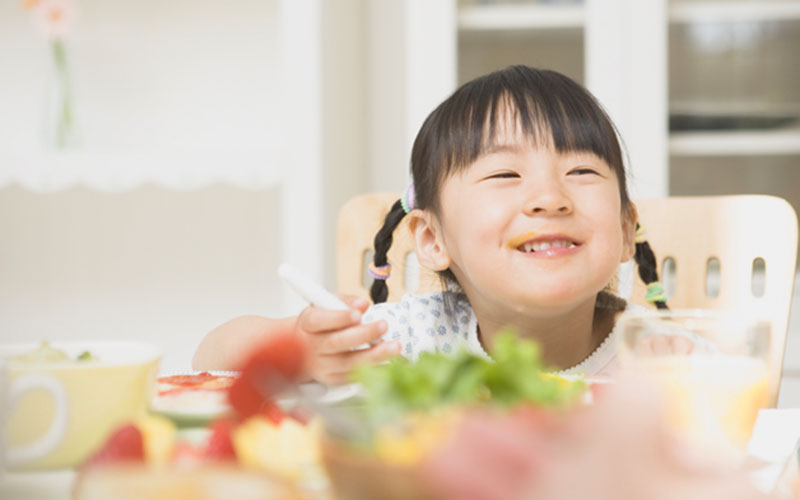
{"points": [[405, 324], [420, 324], [395, 316]]}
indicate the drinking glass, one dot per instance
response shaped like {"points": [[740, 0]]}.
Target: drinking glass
{"points": [[712, 367]]}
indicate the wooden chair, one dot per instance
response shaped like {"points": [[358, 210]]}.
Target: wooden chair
{"points": [[359, 221], [691, 234], [727, 252]]}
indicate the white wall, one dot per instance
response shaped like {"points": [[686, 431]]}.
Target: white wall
{"points": [[344, 114], [173, 83], [150, 264], [150, 74], [411, 68]]}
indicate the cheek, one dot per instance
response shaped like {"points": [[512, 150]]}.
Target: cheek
{"points": [[489, 217], [477, 217], [613, 233]]}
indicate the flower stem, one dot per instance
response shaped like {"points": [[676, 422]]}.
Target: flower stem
{"points": [[64, 107]]}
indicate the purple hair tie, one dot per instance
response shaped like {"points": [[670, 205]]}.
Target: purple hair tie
{"points": [[379, 272], [409, 199]]}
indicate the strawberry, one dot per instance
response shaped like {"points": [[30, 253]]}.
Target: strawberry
{"points": [[274, 366], [219, 445], [125, 444]]}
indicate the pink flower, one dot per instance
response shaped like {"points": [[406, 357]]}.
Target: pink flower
{"points": [[52, 18]]}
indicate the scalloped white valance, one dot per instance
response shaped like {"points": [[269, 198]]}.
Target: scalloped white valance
{"points": [[116, 172]]}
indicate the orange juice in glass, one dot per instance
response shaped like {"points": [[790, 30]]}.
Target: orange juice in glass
{"points": [[711, 367]]}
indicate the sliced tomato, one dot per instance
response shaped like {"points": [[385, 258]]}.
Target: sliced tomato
{"points": [[182, 390], [188, 379]]}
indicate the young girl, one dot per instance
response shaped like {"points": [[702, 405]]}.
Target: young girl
{"points": [[519, 201]]}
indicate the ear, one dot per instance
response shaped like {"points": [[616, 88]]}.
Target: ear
{"points": [[630, 217], [428, 243]]}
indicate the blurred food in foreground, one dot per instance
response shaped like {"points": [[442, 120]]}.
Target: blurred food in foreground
{"points": [[264, 451], [206, 482], [620, 448], [514, 376], [413, 409], [193, 399]]}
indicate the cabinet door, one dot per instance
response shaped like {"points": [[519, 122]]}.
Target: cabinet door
{"points": [[616, 48], [734, 100]]}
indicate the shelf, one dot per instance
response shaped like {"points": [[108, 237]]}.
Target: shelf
{"points": [[116, 172], [504, 17], [733, 11], [738, 143], [520, 17]]}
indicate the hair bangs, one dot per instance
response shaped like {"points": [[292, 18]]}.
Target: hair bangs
{"points": [[543, 108]]}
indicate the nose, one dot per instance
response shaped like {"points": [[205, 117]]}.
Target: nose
{"points": [[547, 196]]}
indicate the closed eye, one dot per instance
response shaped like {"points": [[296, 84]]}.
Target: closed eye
{"points": [[503, 175], [584, 171]]}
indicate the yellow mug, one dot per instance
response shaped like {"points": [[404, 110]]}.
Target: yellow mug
{"points": [[55, 414]]}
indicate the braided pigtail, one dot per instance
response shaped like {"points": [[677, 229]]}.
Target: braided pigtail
{"points": [[380, 267], [646, 264]]}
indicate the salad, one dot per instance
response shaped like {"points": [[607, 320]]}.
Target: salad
{"points": [[411, 406], [47, 353], [515, 376]]}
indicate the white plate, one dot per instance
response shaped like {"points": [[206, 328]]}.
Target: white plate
{"points": [[193, 408]]}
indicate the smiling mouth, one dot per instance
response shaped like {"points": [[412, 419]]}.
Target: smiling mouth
{"points": [[538, 246], [532, 243]]}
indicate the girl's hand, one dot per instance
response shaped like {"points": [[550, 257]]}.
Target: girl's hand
{"points": [[334, 341]]}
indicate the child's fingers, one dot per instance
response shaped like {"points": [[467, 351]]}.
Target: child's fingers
{"points": [[375, 354], [344, 362], [347, 339], [355, 302], [316, 319]]}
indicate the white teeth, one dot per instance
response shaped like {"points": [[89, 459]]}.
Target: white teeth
{"points": [[544, 245]]}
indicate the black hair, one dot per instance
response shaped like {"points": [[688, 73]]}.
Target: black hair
{"points": [[646, 264], [549, 109]]}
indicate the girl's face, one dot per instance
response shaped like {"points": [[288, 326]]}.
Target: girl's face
{"points": [[530, 229]]}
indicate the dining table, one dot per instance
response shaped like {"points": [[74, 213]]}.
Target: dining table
{"points": [[772, 461]]}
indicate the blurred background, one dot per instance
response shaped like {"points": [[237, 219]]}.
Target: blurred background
{"points": [[159, 159]]}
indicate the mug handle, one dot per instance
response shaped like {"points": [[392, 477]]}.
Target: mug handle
{"points": [[44, 445]]}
